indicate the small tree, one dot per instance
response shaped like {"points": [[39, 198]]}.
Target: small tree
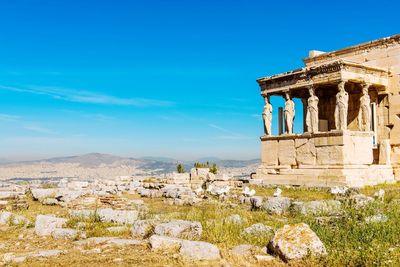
{"points": [[214, 169], [180, 168]]}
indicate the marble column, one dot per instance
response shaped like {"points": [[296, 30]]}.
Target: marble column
{"points": [[364, 113], [267, 116], [289, 113], [312, 117], [341, 109]]}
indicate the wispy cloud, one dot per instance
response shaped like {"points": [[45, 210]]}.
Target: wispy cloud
{"points": [[82, 96], [38, 129], [228, 134], [8, 117]]}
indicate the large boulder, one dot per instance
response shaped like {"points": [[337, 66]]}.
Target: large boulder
{"points": [[293, 242], [179, 229], [277, 205], [46, 224]]}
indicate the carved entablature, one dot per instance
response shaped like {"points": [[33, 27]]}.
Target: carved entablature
{"points": [[331, 73]]}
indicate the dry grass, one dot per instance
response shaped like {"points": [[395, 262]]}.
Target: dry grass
{"points": [[349, 241]]}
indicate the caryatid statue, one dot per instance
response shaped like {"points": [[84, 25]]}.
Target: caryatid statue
{"points": [[364, 114], [342, 104], [312, 111], [267, 116], [289, 113]]}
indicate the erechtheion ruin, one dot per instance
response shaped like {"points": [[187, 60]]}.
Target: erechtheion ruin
{"points": [[351, 110]]}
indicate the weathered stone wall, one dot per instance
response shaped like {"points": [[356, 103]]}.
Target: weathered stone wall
{"points": [[332, 148]]}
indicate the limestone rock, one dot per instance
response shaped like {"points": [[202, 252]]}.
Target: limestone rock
{"points": [[324, 207], [235, 219], [360, 201], [124, 242], [242, 250], [257, 230], [277, 205], [46, 224], [10, 218], [64, 233], [158, 242], [143, 228], [256, 202], [199, 250], [378, 218], [11, 258], [118, 216], [42, 193], [293, 242], [117, 229], [46, 253], [82, 214], [50, 201], [179, 229]]}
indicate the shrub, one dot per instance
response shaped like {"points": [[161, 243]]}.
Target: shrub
{"points": [[180, 168]]}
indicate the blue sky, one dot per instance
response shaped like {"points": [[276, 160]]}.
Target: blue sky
{"points": [[158, 78]]}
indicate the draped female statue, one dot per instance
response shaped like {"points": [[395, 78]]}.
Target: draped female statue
{"points": [[289, 113], [364, 114], [267, 116], [342, 104], [312, 111]]}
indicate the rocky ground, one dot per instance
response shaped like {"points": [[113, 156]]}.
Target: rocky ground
{"points": [[148, 222]]}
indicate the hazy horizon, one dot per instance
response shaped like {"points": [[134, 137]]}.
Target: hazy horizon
{"points": [[157, 78]]}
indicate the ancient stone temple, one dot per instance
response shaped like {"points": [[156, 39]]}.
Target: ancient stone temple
{"points": [[351, 111]]}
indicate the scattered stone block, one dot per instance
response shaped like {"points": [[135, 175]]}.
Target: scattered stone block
{"points": [[258, 229], [46, 224], [179, 229], [64, 233], [199, 250], [143, 228], [277, 205], [294, 242]]}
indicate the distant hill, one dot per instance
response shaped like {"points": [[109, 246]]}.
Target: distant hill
{"points": [[5, 161], [150, 164]]}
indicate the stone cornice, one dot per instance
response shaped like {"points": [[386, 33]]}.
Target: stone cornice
{"points": [[357, 49]]}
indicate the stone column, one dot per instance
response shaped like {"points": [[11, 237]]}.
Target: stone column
{"points": [[341, 109], [312, 117], [289, 113], [364, 113], [267, 116]]}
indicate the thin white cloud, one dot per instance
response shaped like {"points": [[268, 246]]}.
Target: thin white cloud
{"points": [[228, 134], [82, 96], [8, 117], [38, 129]]}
